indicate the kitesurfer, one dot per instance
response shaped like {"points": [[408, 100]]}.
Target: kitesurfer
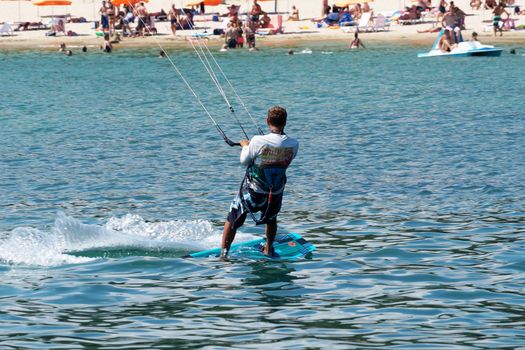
{"points": [[266, 157]]}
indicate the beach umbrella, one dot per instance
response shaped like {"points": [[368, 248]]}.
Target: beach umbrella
{"points": [[206, 2], [52, 3]]}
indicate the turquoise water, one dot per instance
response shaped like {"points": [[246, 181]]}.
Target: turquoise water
{"points": [[409, 181]]}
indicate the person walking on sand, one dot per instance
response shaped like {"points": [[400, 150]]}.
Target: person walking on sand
{"points": [[266, 157], [498, 11]]}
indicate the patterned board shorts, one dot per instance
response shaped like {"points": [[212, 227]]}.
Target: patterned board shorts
{"points": [[256, 202]]}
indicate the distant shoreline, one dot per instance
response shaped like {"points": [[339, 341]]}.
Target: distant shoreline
{"points": [[291, 40]]}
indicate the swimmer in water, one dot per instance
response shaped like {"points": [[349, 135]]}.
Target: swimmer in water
{"points": [[356, 43]]}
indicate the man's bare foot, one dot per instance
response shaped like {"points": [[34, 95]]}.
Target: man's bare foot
{"points": [[268, 251]]}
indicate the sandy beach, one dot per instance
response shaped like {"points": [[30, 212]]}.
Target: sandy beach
{"points": [[296, 33]]}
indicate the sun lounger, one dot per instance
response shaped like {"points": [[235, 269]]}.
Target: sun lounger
{"points": [[6, 29], [362, 26], [380, 24], [56, 26]]}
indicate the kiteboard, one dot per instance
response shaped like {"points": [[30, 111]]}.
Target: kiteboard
{"points": [[289, 246]]}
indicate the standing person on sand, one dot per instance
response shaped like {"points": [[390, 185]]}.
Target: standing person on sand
{"points": [[498, 11], [174, 18], [111, 17], [255, 12], [142, 14], [104, 18], [266, 157]]}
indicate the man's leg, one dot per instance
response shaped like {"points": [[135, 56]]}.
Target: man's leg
{"points": [[271, 231], [228, 235]]}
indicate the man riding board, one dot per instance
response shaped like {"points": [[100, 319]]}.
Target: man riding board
{"points": [[266, 157]]}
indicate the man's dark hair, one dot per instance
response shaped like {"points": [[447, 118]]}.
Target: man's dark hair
{"points": [[277, 116]]}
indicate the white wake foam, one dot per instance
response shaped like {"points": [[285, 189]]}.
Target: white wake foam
{"points": [[31, 246]]}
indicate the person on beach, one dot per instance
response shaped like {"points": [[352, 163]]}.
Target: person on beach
{"points": [[498, 11], [265, 21], [173, 16], [490, 4], [249, 31], [295, 14], [264, 156], [240, 37], [255, 12], [84, 48], [111, 17], [460, 16], [442, 9], [128, 18], [104, 18], [474, 37], [475, 4], [356, 12], [142, 13], [231, 35], [62, 47], [356, 43], [430, 30]]}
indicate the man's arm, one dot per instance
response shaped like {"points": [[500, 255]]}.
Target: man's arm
{"points": [[245, 158]]}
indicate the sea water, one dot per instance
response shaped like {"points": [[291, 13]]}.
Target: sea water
{"points": [[409, 180]]}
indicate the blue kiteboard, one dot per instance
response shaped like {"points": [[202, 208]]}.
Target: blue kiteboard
{"points": [[289, 246]]}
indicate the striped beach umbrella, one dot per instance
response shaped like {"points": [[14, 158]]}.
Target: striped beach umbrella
{"points": [[52, 3], [206, 2]]}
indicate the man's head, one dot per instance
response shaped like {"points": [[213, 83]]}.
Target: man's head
{"points": [[277, 117]]}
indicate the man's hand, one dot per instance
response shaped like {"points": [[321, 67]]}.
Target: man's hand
{"points": [[244, 143]]}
